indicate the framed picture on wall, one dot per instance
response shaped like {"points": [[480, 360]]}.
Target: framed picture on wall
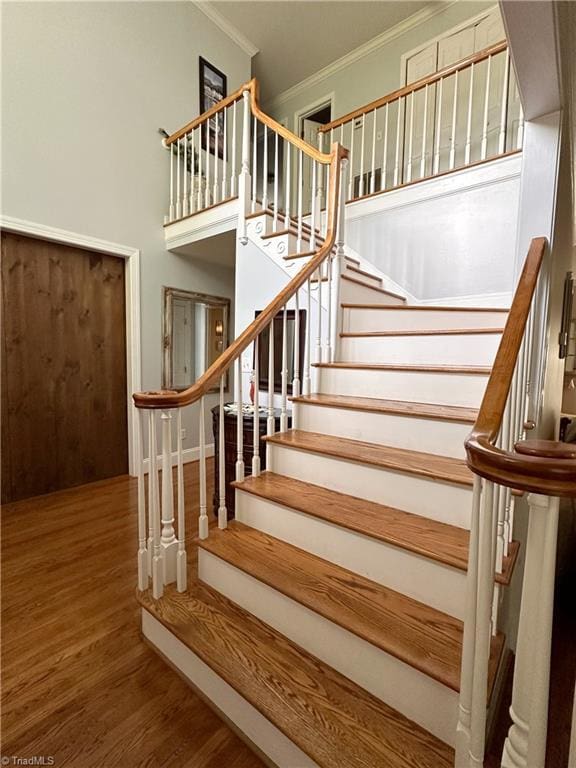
{"points": [[213, 88]]}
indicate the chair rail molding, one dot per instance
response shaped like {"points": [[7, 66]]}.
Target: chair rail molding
{"points": [[131, 257]]}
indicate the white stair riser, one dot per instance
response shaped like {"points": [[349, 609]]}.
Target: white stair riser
{"points": [[257, 728], [363, 278], [354, 292], [362, 320], [391, 680], [415, 386], [445, 438], [432, 583], [446, 502], [426, 350]]}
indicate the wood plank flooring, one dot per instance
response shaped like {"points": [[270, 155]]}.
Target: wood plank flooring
{"points": [[79, 683]]}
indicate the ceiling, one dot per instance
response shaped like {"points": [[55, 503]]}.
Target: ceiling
{"points": [[296, 38]]}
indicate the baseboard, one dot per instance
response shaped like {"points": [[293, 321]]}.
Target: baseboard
{"points": [[188, 455]]}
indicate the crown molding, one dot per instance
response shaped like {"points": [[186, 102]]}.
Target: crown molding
{"points": [[227, 27], [431, 10]]}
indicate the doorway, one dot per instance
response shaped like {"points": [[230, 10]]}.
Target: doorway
{"points": [[308, 121], [64, 377]]}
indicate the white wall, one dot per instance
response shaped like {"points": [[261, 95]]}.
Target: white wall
{"points": [[450, 239], [374, 74], [85, 87]]}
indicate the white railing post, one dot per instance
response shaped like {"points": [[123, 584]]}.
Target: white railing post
{"points": [[256, 463], [284, 375], [143, 568], [525, 745], [181, 565], [321, 191], [239, 423], [222, 510], [203, 519], [244, 180], [168, 539], [306, 381], [154, 509]]}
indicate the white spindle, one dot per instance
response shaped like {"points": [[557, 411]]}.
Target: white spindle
{"points": [[468, 147], [296, 378], [288, 181], [314, 212], [181, 567], [265, 170], [306, 383], [338, 268], [222, 510], [410, 138], [319, 197], [239, 423], [520, 132], [384, 151], [270, 422], [244, 180], [200, 203], [168, 539], [208, 180], [397, 152], [436, 167], [361, 188], [454, 116], [192, 202], [275, 219], [203, 519], [283, 406], [215, 190], [319, 335], [484, 145], [143, 568], [424, 126], [504, 104], [233, 165], [373, 168], [256, 423], [255, 165], [185, 169], [171, 209], [225, 155], [327, 356], [300, 194], [154, 505], [178, 164], [351, 156]]}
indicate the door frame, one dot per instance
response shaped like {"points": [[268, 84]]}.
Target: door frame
{"points": [[131, 258], [309, 109]]}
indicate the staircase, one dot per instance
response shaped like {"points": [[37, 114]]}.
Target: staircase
{"points": [[333, 605]]}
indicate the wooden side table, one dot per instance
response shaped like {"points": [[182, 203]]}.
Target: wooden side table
{"points": [[230, 450]]}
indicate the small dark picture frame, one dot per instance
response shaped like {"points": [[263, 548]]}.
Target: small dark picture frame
{"points": [[213, 88]]}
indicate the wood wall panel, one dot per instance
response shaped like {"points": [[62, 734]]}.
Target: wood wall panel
{"points": [[64, 407]]}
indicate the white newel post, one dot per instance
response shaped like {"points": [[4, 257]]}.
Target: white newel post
{"points": [[525, 745], [337, 265], [244, 181], [168, 539]]}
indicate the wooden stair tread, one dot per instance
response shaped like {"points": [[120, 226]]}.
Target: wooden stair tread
{"points": [[482, 370], [425, 308], [441, 468], [422, 332], [332, 720], [424, 638], [401, 407], [372, 287], [437, 541], [363, 272]]}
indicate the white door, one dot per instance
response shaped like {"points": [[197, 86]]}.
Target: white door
{"points": [[309, 133]]}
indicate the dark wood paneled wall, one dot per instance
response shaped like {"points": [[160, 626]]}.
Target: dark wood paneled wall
{"points": [[64, 399]]}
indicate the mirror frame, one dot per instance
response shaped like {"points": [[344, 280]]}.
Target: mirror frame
{"points": [[169, 294]]}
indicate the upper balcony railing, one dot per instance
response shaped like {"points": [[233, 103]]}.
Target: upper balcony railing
{"points": [[466, 113]]}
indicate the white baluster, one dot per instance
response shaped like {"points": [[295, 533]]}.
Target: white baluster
{"points": [[181, 566], [192, 203], [468, 147], [178, 164], [143, 568], [319, 335], [306, 383], [254, 164], [256, 424], [200, 203], [216, 156], [265, 170], [525, 745], [296, 378], [168, 540], [424, 126], [154, 506], [351, 157], [319, 198], [233, 168], [185, 169], [397, 152], [283, 407], [484, 145], [327, 351], [410, 139], [384, 151], [208, 181], [244, 180], [361, 188], [314, 212], [373, 169], [275, 219], [520, 132], [239, 423], [225, 155], [270, 422], [203, 519], [300, 193], [454, 115], [171, 209], [504, 106], [222, 510], [288, 180], [436, 167]]}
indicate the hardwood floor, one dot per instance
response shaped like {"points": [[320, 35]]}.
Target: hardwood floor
{"points": [[79, 684]]}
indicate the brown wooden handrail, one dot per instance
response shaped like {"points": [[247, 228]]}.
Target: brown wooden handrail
{"points": [[252, 87], [417, 86], [171, 399], [535, 465]]}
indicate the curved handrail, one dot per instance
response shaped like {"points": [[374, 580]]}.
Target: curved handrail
{"points": [[416, 86], [171, 399], [535, 466]]}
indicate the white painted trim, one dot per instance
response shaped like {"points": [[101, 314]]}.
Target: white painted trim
{"points": [[227, 27], [214, 221], [421, 16], [133, 314], [448, 33], [503, 299], [188, 455]]}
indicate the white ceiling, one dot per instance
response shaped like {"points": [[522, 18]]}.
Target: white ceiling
{"points": [[296, 38]]}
